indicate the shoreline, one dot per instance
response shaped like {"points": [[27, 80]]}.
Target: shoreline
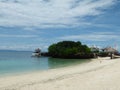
{"points": [[66, 78], [14, 73]]}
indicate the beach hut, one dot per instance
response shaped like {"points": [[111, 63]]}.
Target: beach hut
{"points": [[109, 50]]}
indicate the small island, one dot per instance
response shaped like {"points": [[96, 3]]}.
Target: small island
{"points": [[69, 50], [76, 50]]}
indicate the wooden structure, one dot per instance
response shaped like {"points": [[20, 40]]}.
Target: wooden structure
{"points": [[37, 53]]}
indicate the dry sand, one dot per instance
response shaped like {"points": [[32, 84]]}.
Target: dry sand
{"points": [[99, 74]]}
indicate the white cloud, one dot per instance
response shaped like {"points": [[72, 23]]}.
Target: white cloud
{"points": [[49, 13], [100, 36]]}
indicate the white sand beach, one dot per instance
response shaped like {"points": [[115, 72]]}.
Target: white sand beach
{"points": [[99, 74]]}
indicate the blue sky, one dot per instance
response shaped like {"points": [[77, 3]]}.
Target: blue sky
{"points": [[29, 24]]}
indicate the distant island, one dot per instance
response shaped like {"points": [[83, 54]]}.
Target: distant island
{"points": [[14, 51], [76, 50], [69, 49]]}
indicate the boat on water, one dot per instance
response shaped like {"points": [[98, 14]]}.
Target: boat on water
{"points": [[36, 53]]}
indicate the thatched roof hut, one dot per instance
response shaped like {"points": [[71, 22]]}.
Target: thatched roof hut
{"points": [[109, 50]]}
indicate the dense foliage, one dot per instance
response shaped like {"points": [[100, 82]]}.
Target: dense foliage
{"points": [[69, 49]]}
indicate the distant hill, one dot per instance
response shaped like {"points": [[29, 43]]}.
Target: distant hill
{"points": [[13, 51]]}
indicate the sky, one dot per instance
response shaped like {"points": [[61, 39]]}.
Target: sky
{"points": [[29, 24]]}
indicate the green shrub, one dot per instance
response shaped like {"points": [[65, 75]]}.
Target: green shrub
{"points": [[68, 49]]}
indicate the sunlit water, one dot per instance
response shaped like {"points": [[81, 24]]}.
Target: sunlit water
{"points": [[18, 62]]}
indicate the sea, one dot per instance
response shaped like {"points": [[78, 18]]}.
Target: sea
{"points": [[12, 62]]}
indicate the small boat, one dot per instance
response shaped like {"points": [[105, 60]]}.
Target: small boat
{"points": [[116, 56], [37, 53]]}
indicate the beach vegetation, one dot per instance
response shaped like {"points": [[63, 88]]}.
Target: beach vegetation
{"points": [[69, 49]]}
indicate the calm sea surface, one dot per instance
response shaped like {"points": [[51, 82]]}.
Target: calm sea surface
{"points": [[17, 62]]}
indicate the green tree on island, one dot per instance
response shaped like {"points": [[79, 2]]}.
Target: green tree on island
{"points": [[69, 49]]}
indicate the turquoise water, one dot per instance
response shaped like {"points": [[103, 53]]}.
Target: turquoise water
{"points": [[13, 62]]}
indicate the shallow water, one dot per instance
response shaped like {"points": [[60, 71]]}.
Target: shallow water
{"points": [[16, 62]]}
